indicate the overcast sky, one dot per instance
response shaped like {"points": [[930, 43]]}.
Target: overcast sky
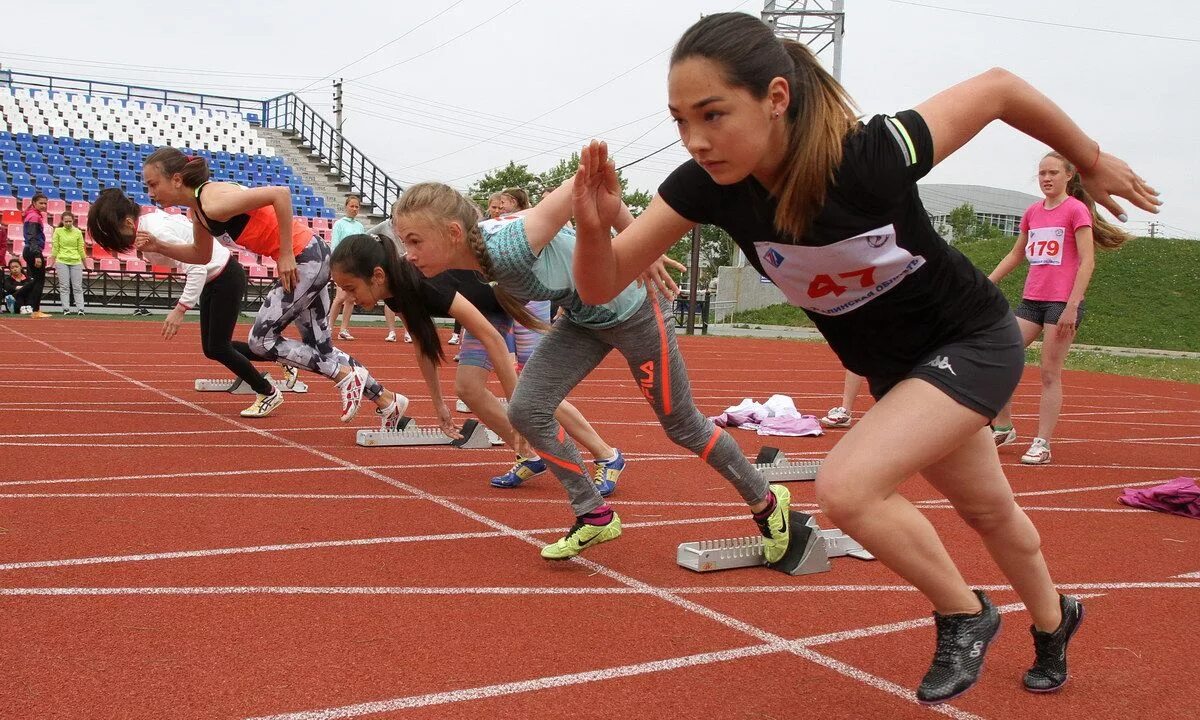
{"points": [[472, 84]]}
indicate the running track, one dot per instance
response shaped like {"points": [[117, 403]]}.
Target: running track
{"points": [[161, 557]]}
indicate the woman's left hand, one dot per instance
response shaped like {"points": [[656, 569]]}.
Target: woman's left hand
{"points": [[1109, 176], [288, 275], [657, 276], [1068, 322]]}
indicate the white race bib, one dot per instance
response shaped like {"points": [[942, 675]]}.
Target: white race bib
{"points": [[1045, 246], [835, 279]]}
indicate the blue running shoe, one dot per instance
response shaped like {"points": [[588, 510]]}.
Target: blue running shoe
{"points": [[607, 472], [521, 471]]}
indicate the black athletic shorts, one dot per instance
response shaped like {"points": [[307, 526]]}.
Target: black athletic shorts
{"points": [[1044, 312], [979, 371]]}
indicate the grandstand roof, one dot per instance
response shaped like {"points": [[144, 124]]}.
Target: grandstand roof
{"points": [[940, 199]]}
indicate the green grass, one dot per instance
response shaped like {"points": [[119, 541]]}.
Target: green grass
{"points": [[1181, 369], [1144, 295]]}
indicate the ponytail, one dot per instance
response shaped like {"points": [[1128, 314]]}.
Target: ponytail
{"points": [[106, 220], [442, 203], [192, 169], [814, 141], [359, 255], [820, 112], [1104, 234]]}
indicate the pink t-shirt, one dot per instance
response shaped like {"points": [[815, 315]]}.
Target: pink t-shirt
{"points": [[1050, 250]]}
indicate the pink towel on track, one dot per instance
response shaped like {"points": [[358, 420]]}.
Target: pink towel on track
{"points": [[1180, 496]]}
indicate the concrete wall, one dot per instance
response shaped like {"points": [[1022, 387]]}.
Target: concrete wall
{"points": [[743, 287]]}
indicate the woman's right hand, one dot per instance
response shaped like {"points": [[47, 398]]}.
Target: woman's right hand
{"points": [[145, 242], [1110, 175], [446, 421], [596, 195]]}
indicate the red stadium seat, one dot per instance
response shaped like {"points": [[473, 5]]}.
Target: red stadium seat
{"points": [[12, 217], [257, 271], [135, 266], [55, 206], [80, 207], [8, 202], [110, 264]]}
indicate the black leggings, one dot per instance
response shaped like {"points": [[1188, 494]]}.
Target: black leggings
{"points": [[220, 302], [35, 268]]}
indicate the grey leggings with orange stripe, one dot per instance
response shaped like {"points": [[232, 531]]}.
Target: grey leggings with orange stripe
{"points": [[647, 341]]}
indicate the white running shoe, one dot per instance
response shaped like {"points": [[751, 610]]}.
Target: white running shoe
{"points": [[289, 375], [345, 335], [1004, 436], [1038, 453], [264, 405], [390, 417], [391, 336], [351, 388], [454, 339], [461, 406], [836, 418], [26, 310], [407, 337]]}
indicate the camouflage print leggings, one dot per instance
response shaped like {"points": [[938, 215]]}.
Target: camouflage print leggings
{"points": [[307, 307]]}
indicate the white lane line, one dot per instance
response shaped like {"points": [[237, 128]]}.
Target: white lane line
{"points": [[357, 542], [540, 590]]}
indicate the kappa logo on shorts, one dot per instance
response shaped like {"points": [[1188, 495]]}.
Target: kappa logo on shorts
{"points": [[941, 362], [774, 257]]}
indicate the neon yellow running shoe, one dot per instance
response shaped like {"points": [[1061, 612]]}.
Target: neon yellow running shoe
{"points": [[775, 529], [582, 536]]}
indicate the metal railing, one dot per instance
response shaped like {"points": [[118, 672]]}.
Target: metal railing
{"points": [[100, 88], [290, 113], [150, 290]]}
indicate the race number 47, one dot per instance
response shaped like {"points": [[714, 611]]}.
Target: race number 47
{"points": [[823, 285]]}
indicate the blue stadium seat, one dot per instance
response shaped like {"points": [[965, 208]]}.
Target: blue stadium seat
{"points": [[20, 178], [65, 182], [26, 137], [73, 152], [107, 145], [72, 194], [89, 184], [6, 145], [328, 213], [45, 140], [25, 191], [44, 181], [129, 176], [105, 175], [37, 168], [85, 142], [91, 152], [60, 169], [55, 159], [308, 212], [6, 189]]}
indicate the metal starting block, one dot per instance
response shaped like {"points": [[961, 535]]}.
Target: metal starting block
{"points": [[237, 387], [777, 468], [474, 435], [809, 550]]}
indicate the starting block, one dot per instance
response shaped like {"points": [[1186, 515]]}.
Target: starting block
{"points": [[808, 552], [474, 436], [237, 387], [777, 468]]}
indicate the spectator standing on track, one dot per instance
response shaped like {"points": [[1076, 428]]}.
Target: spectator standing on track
{"points": [[827, 207], [34, 228], [842, 415], [342, 229], [66, 255], [1058, 238]]}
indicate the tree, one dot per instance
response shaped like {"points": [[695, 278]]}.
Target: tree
{"points": [[512, 175], [962, 221]]}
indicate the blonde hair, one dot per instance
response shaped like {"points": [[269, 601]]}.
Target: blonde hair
{"points": [[1104, 234], [440, 203]]}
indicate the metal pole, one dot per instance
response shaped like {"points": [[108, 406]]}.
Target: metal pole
{"points": [[693, 279]]}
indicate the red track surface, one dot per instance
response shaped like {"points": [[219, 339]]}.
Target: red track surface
{"points": [[161, 557]]}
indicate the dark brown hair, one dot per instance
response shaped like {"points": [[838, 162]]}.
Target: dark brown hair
{"points": [[106, 220], [820, 112], [360, 254], [192, 169]]}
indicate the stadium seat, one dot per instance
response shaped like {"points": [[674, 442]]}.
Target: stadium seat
{"points": [[109, 264]]}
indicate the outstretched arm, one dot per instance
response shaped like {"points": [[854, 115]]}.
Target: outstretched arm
{"points": [[604, 266], [956, 115]]}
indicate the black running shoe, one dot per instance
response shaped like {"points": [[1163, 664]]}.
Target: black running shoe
{"points": [[1049, 671], [962, 642]]}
